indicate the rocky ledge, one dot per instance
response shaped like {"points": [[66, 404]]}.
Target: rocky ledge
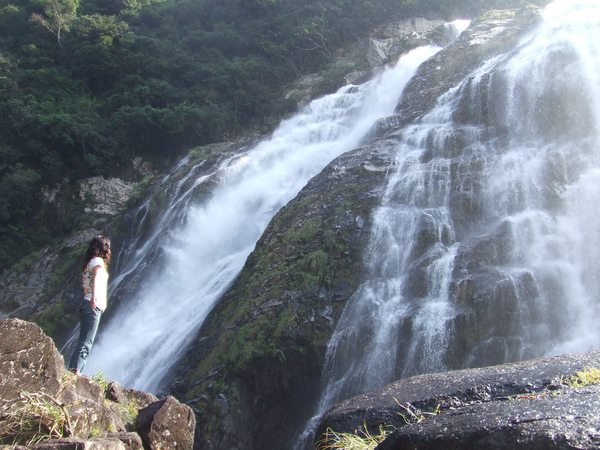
{"points": [[43, 406], [549, 403]]}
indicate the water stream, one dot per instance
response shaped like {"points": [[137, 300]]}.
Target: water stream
{"points": [[497, 186], [199, 247]]}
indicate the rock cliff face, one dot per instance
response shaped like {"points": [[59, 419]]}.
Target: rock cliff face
{"points": [[253, 374], [109, 196]]}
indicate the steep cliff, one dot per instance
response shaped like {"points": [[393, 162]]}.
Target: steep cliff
{"points": [[253, 374]]}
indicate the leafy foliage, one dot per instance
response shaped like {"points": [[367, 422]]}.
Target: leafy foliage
{"points": [[85, 85], [57, 15]]}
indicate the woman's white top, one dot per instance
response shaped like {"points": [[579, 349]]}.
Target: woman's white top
{"points": [[101, 282]]}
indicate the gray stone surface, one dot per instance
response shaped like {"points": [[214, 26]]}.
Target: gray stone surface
{"points": [[166, 424], [110, 196], [520, 405]]}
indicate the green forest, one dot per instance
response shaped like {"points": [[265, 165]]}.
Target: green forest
{"points": [[87, 85]]}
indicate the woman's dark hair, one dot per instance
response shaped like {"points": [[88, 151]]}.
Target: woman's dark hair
{"points": [[100, 246]]}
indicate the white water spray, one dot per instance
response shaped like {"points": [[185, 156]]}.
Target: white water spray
{"points": [[538, 186], [207, 245]]}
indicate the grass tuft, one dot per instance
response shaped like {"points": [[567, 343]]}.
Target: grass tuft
{"points": [[101, 379], [31, 418], [365, 441], [131, 409], [589, 375]]}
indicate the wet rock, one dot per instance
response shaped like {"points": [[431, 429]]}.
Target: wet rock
{"points": [[520, 405], [275, 380], [384, 47], [395, 39], [484, 39], [530, 422], [268, 392]]}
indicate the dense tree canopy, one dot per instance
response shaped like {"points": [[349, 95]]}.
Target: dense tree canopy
{"points": [[85, 85]]}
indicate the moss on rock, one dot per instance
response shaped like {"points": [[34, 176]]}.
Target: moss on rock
{"points": [[263, 345]]}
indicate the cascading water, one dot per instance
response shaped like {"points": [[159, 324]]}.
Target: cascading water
{"points": [[485, 247], [201, 247]]}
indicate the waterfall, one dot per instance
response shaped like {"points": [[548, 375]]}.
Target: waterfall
{"points": [[200, 245], [485, 246]]}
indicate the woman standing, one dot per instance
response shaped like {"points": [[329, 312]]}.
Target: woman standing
{"points": [[95, 282]]}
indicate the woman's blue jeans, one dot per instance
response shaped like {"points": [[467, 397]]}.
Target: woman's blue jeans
{"points": [[89, 318]]}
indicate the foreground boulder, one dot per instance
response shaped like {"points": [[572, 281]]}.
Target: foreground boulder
{"points": [[548, 403], [166, 424], [43, 406]]}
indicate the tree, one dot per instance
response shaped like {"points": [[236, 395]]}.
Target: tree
{"points": [[58, 14]]}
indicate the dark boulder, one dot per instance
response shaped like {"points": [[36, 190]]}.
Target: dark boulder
{"points": [[529, 404], [565, 421]]}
